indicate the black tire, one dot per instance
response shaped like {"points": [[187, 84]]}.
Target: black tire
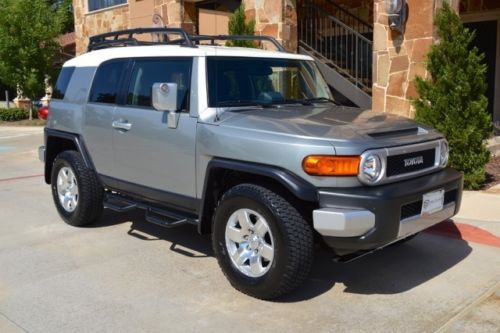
{"points": [[90, 192], [292, 238]]}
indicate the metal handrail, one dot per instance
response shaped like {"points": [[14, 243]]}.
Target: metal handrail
{"points": [[336, 43], [351, 15]]}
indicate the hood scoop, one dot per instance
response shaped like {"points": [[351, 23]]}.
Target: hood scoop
{"points": [[383, 134]]}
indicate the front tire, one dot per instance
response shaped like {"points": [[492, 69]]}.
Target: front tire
{"points": [[263, 245], [76, 191]]}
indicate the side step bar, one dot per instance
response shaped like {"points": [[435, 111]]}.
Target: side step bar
{"points": [[163, 217]]}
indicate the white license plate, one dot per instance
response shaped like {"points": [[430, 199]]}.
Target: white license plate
{"points": [[432, 202]]}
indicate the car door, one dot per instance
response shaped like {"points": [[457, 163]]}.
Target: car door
{"points": [[151, 158], [98, 114]]}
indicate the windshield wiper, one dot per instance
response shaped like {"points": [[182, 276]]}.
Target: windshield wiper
{"points": [[245, 103], [320, 100]]}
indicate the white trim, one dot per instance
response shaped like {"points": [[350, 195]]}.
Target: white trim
{"points": [[105, 9], [493, 15]]}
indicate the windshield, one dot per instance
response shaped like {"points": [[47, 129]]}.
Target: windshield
{"points": [[243, 81]]}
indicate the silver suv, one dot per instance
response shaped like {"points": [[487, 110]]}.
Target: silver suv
{"points": [[246, 145]]}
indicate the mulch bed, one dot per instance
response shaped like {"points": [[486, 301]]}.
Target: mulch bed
{"points": [[493, 173]]}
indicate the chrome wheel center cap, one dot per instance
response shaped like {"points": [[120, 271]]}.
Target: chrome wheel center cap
{"points": [[254, 242]]}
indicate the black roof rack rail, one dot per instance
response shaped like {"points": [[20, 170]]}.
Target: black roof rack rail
{"points": [[126, 37], [116, 38], [212, 39]]}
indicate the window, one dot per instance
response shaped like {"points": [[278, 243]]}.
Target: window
{"points": [[107, 82], [246, 81], [100, 4], [62, 82], [148, 72]]}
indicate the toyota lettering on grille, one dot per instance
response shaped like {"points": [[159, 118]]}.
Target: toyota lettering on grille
{"points": [[414, 161]]}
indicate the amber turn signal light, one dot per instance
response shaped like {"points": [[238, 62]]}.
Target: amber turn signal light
{"points": [[325, 165]]}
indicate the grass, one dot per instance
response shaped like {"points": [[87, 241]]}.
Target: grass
{"points": [[24, 122]]}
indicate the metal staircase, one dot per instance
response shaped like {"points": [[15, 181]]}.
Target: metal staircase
{"points": [[342, 44]]}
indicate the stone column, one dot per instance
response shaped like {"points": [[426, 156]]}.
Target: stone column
{"points": [[177, 14], [276, 18], [399, 58]]}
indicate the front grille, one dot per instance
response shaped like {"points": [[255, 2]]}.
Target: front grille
{"points": [[410, 162], [414, 208]]}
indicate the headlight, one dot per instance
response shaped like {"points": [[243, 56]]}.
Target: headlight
{"points": [[371, 168], [444, 154]]}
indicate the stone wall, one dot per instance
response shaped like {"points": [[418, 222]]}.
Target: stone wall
{"points": [[478, 5], [276, 18], [399, 58]]}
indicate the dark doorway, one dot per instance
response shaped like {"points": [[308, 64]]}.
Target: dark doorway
{"points": [[486, 42]]}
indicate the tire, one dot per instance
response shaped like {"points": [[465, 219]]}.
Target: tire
{"points": [[87, 205], [290, 236]]}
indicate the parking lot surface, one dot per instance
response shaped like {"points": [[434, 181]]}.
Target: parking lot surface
{"points": [[126, 275]]}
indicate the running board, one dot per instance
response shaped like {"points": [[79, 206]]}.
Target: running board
{"points": [[163, 217]]}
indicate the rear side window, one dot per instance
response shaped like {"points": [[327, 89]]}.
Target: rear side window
{"points": [[107, 82], [62, 82], [147, 72]]}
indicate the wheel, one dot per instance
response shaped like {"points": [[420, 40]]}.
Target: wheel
{"points": [[264, 247], [76, 191]]}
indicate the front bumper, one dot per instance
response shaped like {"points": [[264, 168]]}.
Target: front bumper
{"points": [[365, 218]]}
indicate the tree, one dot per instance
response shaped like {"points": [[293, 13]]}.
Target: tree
{"points": [[238, 26], [28, 43], [453, 100]]}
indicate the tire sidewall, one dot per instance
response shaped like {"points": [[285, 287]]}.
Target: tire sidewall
{"points": [[260, 285], [59, 163]]}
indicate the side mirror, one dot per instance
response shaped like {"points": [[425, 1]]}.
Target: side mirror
{"points": [[164, 98]]}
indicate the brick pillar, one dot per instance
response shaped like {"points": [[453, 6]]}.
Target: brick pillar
{"points": [[276, 18], [398, 59]]}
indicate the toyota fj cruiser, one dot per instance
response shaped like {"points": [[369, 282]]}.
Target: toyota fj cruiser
{"points": [[247, 145]]}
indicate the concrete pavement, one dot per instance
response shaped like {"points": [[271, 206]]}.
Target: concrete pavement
{"points": [[124, 274]]}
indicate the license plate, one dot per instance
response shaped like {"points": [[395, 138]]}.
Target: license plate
{"points": [[432, 202]]}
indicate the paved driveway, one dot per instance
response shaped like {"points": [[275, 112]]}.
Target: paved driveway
{"points": [[126, 275]]}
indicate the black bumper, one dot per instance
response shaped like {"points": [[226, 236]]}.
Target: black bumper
{"points": [[387, 203]]}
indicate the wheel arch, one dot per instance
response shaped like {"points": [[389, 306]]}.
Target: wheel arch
{"points": [[59, 141], [222, 174]]}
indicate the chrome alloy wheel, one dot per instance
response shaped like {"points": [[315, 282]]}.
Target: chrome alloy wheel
{"points": [[249, 242], [67, 189]]}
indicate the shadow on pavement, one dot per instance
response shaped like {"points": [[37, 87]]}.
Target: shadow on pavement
{"points": [[395, 269]]}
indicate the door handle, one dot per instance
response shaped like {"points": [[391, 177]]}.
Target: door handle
{"points": [[121, 125]]}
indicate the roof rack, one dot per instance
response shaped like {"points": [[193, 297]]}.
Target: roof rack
{"points": [[127, 37], [212, 39], [117, 38]]}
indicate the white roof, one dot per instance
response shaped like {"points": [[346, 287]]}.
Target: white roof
{"points": [[95, 58]]}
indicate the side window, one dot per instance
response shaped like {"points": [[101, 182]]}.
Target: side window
{"points": [[148, 72], [107, 82], [63, 82]]}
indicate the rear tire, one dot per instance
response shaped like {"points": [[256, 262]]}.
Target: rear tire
{"points": [[264, 247], [76, 191]]}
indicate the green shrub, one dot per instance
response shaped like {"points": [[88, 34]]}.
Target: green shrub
{"points": [[238, 26], [453, 100], [13, 114]]}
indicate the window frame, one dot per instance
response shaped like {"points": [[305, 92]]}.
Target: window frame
{"points": [[96, 10], [127, 80], [119, 89]]}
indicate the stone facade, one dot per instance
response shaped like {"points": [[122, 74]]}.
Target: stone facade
{"points": [[399, 58]]}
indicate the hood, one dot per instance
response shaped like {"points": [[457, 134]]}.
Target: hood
{"points": [[335, 123]]}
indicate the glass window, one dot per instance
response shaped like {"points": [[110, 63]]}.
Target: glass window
{"points": [[107, 82], [148, 72], [62, 82], [246, 81], [100, 4]]}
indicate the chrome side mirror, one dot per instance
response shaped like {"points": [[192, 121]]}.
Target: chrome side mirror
{"points": [[164, 98]]}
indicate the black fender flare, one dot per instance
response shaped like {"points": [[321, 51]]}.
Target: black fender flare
{"points": [[296, 185], [50, 152]]}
